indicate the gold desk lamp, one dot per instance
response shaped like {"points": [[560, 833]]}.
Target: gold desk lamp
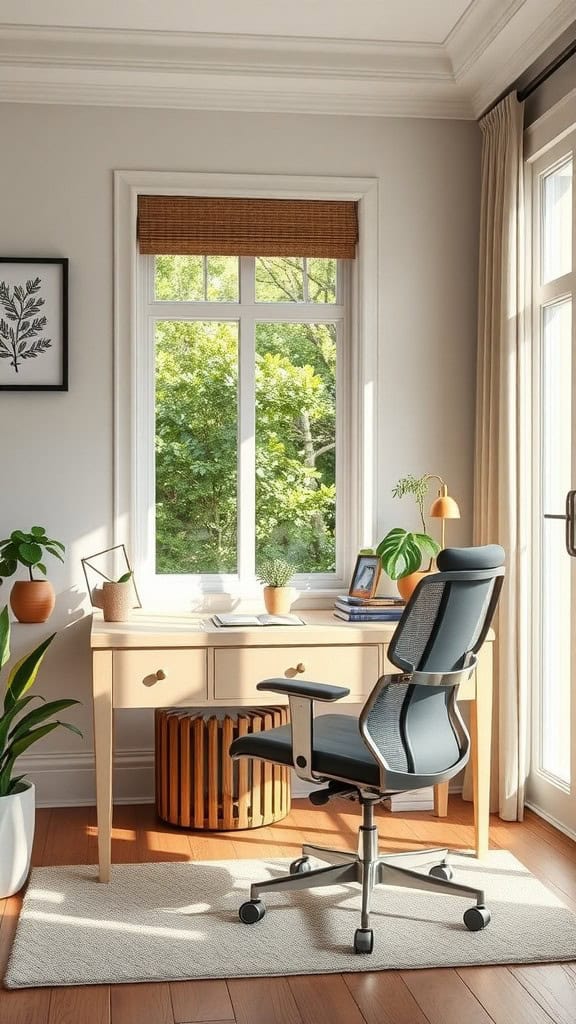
{"points": [[443, 507]]}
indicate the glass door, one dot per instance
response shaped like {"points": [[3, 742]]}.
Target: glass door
{"points": [[552, 782]]}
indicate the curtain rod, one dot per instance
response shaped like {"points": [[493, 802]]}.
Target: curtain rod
{"points": [[538, 80], [549, 70]]}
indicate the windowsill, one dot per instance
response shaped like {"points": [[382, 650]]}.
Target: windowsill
{"points": [[181, 598]]}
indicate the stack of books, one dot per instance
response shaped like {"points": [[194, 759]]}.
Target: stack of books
{"points": [[374, 609]]}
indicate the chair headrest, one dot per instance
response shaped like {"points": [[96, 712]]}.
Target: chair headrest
{"points": [[489, 556]]}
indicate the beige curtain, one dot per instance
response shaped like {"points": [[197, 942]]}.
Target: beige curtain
{"points": [[501, 490]]}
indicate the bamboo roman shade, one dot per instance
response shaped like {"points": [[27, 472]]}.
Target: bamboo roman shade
{"points": [[206, 226]]}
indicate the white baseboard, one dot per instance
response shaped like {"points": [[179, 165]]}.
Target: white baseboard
{"points": [[68, 780], [551, 820]]}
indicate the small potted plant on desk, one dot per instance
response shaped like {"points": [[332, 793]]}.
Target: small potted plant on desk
{"points": [[402, 551], [276, 574], [31, 600], [117, 598], [17, 733]]}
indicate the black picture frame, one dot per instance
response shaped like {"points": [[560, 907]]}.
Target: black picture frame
{"points": [[365, 577], [41, 357]]}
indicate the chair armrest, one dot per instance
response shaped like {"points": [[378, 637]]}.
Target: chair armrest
{"points": [[303, 688], [301, 694]]}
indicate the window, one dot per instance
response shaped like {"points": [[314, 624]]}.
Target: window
{"points": [[247, 351], [553, 256], [248, 429]]}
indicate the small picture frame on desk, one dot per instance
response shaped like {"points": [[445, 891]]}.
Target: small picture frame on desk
{"points": [[365, 577]]}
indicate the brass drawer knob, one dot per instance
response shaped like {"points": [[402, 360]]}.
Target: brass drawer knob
{"points": [[300, 667], [160, 674]]}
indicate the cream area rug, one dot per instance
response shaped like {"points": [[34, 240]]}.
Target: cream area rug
{"points": [[174, 921]]}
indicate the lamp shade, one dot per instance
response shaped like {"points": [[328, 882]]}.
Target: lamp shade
{"points": [[444, 507]]}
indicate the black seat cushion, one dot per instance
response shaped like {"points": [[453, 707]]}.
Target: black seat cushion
{"points": [[339, 752], [338, 749]]}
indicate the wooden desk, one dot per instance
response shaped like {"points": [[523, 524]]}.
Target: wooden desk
{"points": [[185, 661]]}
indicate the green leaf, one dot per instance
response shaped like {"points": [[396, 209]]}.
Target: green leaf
{"points": [[38, 531], [124, 579], [4, 636], [57, 543], [427, 544], [71, 728], [8, 567], [33, 718], [14, 782], [7, 719], [41, 567], [26, 741], [29, 554], [24, 673], [399, 553], [53, 551], [18, 537]]}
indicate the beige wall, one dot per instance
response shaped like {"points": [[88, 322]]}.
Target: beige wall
{"points": [[57, 449]]}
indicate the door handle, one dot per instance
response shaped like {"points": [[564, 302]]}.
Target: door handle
{"points": [[570, 519]]}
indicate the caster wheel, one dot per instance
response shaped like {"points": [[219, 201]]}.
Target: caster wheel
{"points": [[300, 866], [476, 918], [363, 940], [251, 912], [442, 871]]}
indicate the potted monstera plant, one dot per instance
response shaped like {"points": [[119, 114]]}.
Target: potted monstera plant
{"points": [[18, 731], [402, 551], [31, 600]]}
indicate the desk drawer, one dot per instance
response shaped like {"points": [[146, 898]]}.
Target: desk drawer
{"points": [[239, 669], [136, 684]]}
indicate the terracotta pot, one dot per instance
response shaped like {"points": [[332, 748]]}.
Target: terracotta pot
{"points": [[117, 601], [278, 600], [32, 600], [407, 584]]}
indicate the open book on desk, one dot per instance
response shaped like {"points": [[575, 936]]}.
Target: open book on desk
{"points": [[221, 619]]}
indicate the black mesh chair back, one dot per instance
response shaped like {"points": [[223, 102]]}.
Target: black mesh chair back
{"points": [[411, 722]]}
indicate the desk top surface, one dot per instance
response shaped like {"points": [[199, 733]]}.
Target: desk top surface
{"points": [[150, 629], [154, 629]]}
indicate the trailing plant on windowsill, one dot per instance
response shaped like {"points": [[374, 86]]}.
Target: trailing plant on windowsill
{"points": [[401, 552], [19, 731]]}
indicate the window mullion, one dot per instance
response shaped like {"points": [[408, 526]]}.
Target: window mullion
{"points": [[246, 449], [247, 276]]}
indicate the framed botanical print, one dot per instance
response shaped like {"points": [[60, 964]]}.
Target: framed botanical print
{"points": [[33, 324]]}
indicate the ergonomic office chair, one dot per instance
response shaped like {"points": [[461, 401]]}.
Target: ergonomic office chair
{"points": [[409, 735]]}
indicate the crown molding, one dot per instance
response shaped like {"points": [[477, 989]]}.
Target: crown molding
{"points": [[514, 51], [476, 30], [223, 72], [383, 104], [491, 45]]}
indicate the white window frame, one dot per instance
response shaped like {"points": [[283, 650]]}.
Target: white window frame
{"points": [[357, 404], [546, 145]]}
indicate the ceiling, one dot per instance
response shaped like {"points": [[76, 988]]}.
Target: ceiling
{"points": [[431, 58], [428, 21]]}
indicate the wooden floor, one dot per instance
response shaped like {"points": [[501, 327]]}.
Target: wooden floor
{"points": [[535, 994]]}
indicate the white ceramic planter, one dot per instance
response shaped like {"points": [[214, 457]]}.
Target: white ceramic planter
{"points": [[17, 816]]}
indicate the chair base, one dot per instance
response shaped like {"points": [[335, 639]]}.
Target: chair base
{"points": [[369, 868]]}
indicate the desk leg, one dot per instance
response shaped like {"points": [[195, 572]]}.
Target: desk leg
{"points": [[102, 693], [441, 800], [481, 748]]}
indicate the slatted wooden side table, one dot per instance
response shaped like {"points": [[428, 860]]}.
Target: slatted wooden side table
{"points": [[199, 786]]}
